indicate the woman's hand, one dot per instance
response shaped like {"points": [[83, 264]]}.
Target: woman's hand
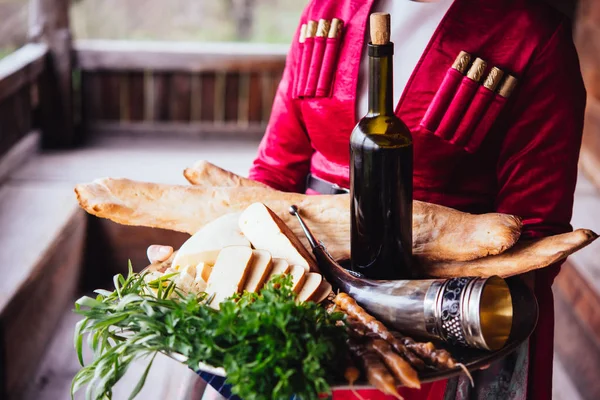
{"points": [[158, 253]]}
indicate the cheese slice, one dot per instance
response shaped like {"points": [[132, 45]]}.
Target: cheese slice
{"points": [[185, 279], [259, 270], [205, 271], [322, 293], [229, 273], [266, 231], [280, 266], [298, 273], [204, 246], [310, 286]]}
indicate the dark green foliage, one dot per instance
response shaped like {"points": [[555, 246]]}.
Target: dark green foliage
{"points": [[271, 346]]}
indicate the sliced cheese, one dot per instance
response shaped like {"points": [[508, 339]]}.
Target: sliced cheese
{"points": [[229, 273], [298, 273], [204, 246], [280, 266], [185, 279], [205, 270], [310, 286], [266, 231], [259, 270], [322, 293]]}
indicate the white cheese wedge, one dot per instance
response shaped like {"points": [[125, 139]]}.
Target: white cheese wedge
{"points": [[204, 246], [266, 231], [280, 266], [310, 286], [229, 273], [322, 293], [298, 273], [259, 270]]}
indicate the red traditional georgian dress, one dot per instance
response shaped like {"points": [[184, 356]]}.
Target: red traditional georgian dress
{"points": [[526, 164]]}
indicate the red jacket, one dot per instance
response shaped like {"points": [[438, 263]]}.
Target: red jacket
{"points": [[527, 163]]}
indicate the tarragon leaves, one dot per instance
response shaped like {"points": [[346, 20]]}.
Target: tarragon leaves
{"points": [[271, 346]]}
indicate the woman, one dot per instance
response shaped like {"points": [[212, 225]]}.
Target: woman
{"points": [[526, 164]]}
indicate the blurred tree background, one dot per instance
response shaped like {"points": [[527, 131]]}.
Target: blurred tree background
{"points": [[269, 21]]}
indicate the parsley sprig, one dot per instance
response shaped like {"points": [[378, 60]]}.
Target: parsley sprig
{"points": [[271, 346]]}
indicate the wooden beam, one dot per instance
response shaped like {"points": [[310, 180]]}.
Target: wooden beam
{"points": [[18, 154], [21, 68], [124, 55], [49, 24], [251, 131]]}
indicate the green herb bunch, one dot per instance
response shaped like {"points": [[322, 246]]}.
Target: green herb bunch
{"points": [[271, 346]]}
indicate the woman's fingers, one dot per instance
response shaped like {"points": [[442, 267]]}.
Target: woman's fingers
{"points": [[157, 253]]}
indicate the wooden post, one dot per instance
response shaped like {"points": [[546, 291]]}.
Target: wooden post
{"points": [[49, 23]]}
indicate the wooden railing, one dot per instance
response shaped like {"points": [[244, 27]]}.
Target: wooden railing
{"points": [[176, 89], [20, 89]]}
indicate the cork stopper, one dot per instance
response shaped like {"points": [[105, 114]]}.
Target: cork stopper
{"points": [[507, 87], [380, 28], [477, 69], [335, 30], [462, 62], [302, 37], [493, 79], [311, 29]]}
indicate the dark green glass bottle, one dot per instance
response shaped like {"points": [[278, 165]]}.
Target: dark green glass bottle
{"points": [[381, 174]]}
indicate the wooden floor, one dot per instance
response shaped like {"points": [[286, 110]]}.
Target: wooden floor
{"points": [[168, 379], [164, 161], [155, 161]]}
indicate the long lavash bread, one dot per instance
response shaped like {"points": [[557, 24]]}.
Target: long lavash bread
{"points": [[188, 208], [229, 273], [266, 231], [523, 257], [439, 233], [207, 174]]}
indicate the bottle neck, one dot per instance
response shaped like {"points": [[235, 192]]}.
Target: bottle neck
{"points": [[381, 86]]}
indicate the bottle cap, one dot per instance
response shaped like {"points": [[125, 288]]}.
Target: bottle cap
{"points": [[380, 28], [462, 62]]}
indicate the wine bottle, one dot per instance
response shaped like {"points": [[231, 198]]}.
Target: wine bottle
{"points": [[381, 172]]}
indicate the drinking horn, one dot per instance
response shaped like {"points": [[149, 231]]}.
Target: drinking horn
{"points": [[469, 311]]}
